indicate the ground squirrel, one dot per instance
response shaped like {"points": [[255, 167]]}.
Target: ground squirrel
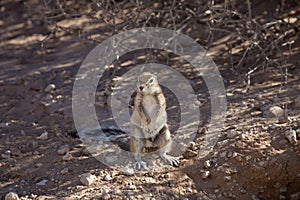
{"points": [[149, 121]]}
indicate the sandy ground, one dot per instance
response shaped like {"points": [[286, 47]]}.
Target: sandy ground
{"points": [[253, 159]]}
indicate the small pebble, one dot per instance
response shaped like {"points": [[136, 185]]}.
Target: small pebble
{"points": [[107, 177], [42, 182], [67, 156], [11, 196], [231, 133], [291, 136], [63, 149], [227, 178], [207, 164], [87, 179], [190, 154], [50, 88], [131, 187], [127, 171], [240, 144], [64, 171], [43, 136], [206, 174], [6, 154]]}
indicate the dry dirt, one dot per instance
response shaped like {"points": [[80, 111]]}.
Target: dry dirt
{"points": [[251, 160]]}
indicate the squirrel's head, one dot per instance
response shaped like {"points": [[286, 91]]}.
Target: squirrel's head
{"points": [[147, 83]]}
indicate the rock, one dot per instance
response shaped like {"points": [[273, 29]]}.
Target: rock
{"points": [[43, 136], [254, 197], [87, 179], [261, 163], [11, 196], [3, 124], [206, 174], [283, 189], [283, 141], [240, 144], [63, 149], [231, 133], [193, 146], [6, 154], [23, 133], [42, 182], [64, 171], [49, 97], [190, 154], [207, 164], [171, 183], [16, 152], [223, 154], [50, 88], [291, 136], [295, 196], [131, 186], [273, 111], [227, 178], [282, 197], [67, 156], [105, 194], [276, 112], [107, 177], [127, 171]]}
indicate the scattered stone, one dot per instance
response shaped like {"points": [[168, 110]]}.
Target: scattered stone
{"points": [[108, 177], [295, 196], [254, 197], [131, 186], [283, 142], [207, 164], [206, 174], [171, 183], [23, 133], [50, 88], [234, 154], [283, 189], [49, 97], [11, 196], [38, 165], [190, 154], [63, 149], [227, 178], [240, 144], [64, 171], [3, 124], [87, 179], [42, 182], [193, 146], [231, 133], [43, 136], [261, 163], [282, 197], [274, 111], [291, 136], [6, 154], [67, 156], [105, 194], [128, 171], [223, 154]]}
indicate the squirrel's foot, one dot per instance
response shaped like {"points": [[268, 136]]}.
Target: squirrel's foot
{"points": [[172, 160], [140, 165]]}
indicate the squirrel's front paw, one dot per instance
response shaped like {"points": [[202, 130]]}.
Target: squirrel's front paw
{"points": [[141, 165], [174, 161]]}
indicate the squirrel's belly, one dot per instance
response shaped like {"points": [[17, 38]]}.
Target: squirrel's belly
{"points": [[150, 105]]}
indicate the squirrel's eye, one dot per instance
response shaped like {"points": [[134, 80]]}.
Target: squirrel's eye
{"points": [[151, 80]]}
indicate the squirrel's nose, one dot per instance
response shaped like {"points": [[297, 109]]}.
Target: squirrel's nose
{"points": [[141, 88]]}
